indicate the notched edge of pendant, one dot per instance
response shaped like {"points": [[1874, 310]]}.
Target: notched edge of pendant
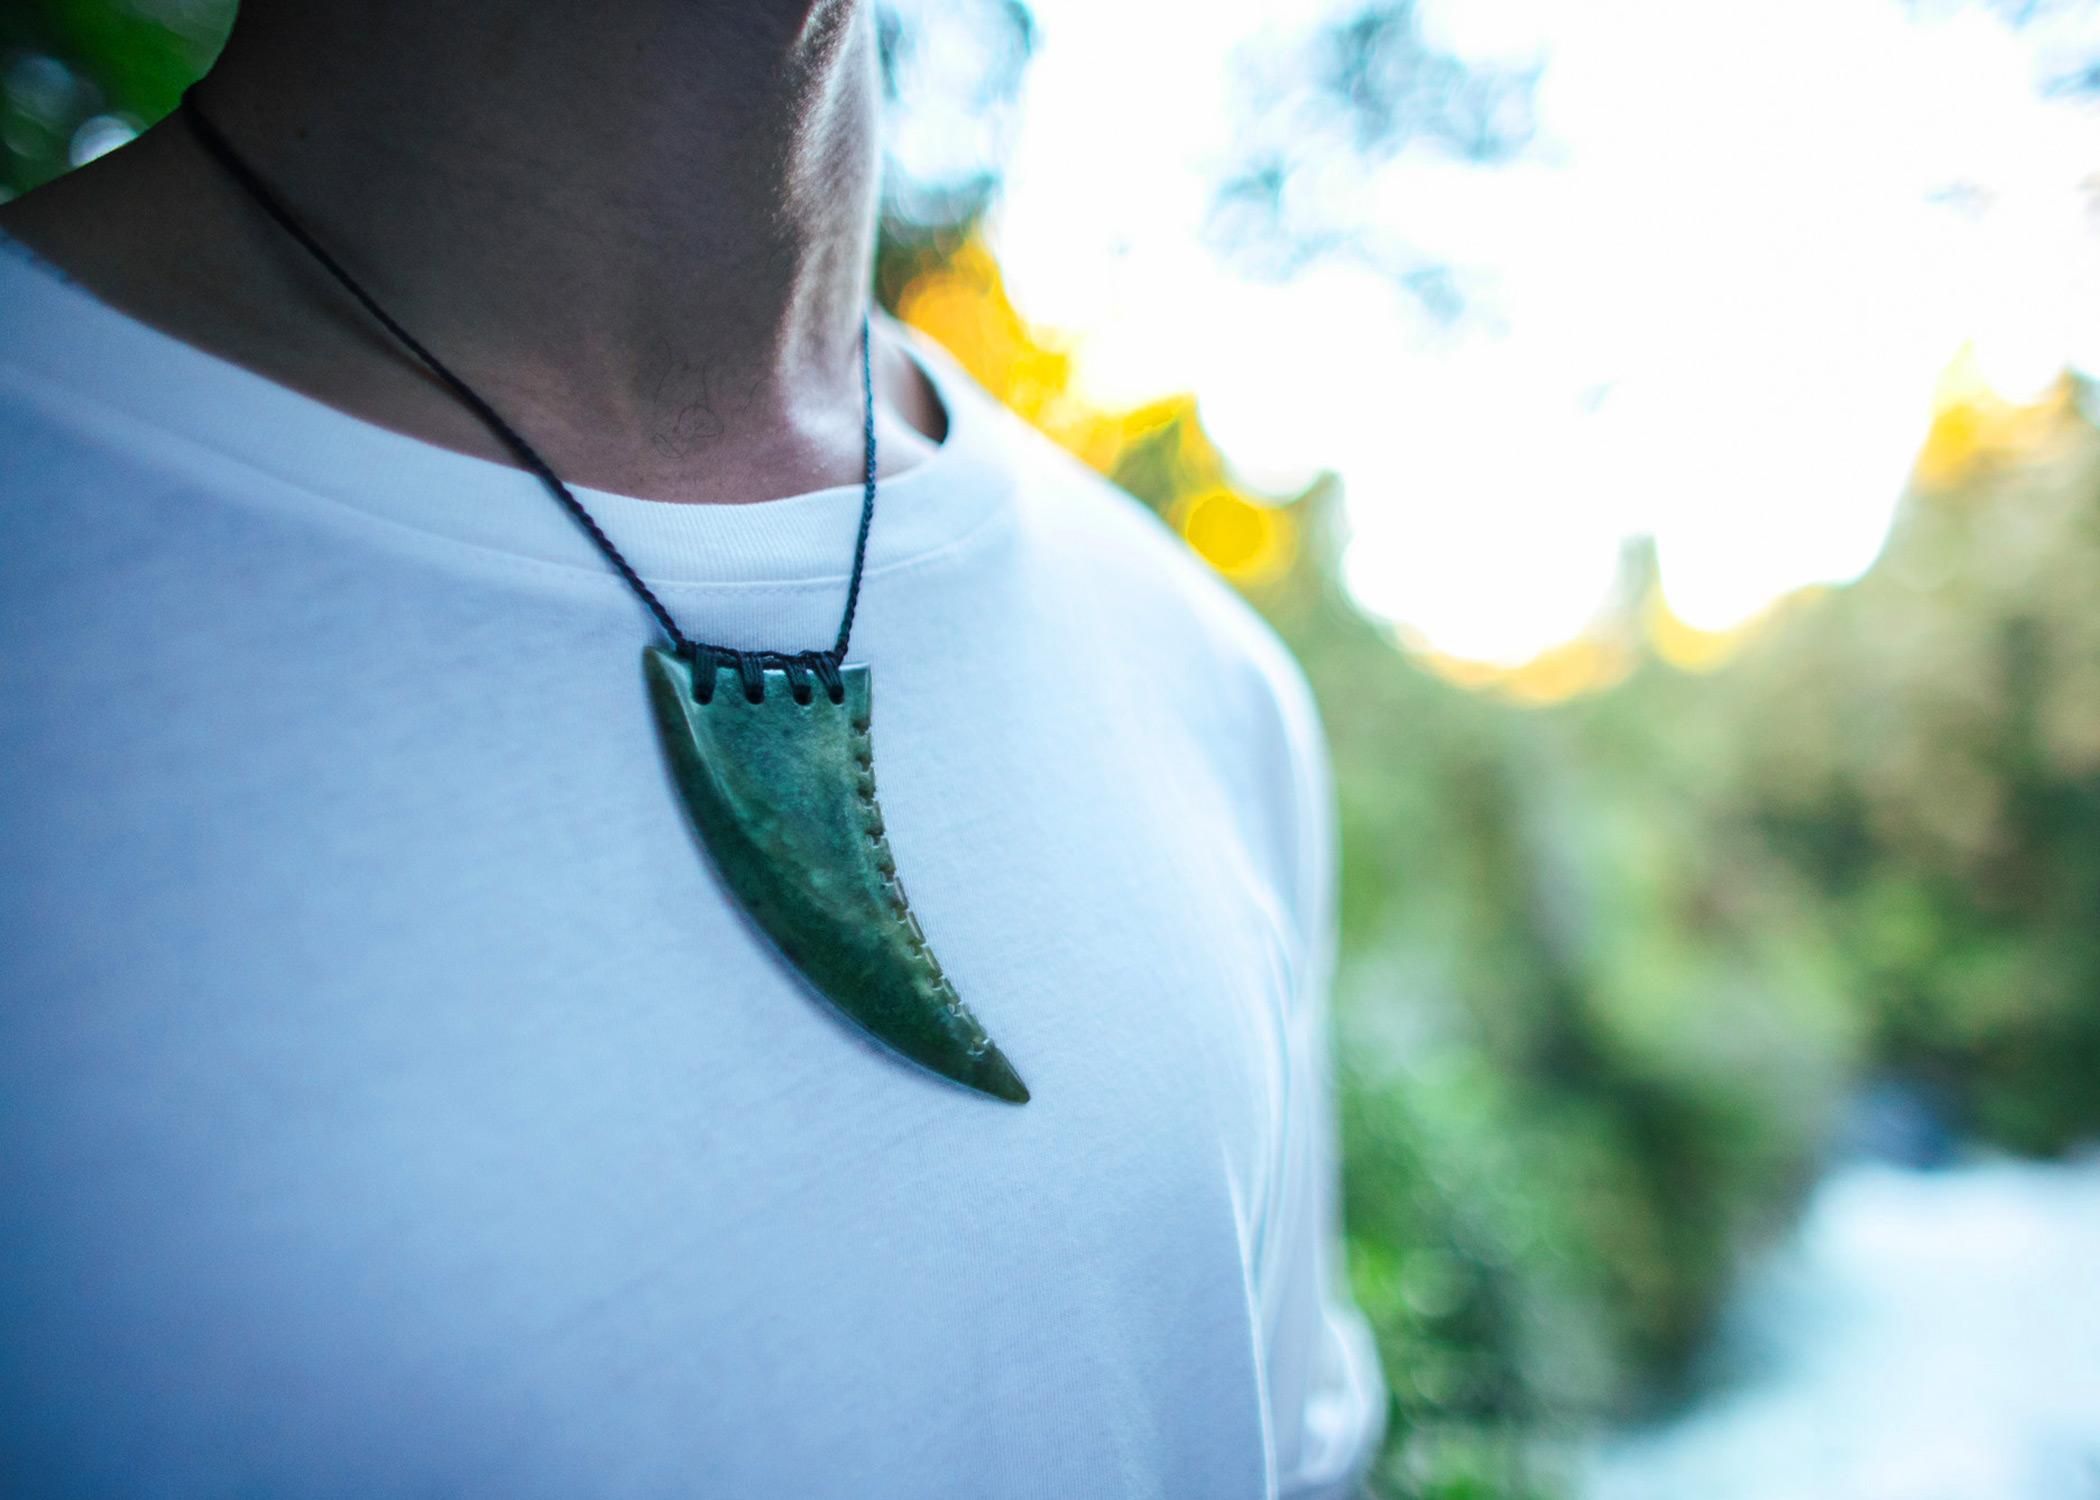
{"points": [[991, 1073]]}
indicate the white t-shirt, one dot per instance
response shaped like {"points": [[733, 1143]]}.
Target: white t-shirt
{"points": [[392, 1104]]}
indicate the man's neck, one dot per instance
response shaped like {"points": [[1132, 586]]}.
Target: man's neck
{"points": [[642, 231]]}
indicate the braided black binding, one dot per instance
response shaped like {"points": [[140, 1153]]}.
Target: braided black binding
{"points": [[751, 666]]}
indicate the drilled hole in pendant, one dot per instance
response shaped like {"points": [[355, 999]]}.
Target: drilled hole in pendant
{"points": [[803, 695]]}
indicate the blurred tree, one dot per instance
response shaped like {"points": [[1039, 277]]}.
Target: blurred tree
{"points": [[1938, 783]]}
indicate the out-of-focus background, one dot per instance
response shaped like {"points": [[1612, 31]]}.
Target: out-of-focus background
{"points": [[1666, 431]]}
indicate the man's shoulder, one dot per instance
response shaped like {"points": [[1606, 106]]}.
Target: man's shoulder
{"points": [[1169, 630], [1164, 601]]}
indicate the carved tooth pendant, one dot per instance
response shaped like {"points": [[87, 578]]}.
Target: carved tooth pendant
{"points": [[782, 794]]}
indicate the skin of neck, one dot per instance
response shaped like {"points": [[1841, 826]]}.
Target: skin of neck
{"points": [[643, 231]]}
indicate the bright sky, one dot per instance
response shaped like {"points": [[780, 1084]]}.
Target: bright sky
{"points": [[1710, 301]]}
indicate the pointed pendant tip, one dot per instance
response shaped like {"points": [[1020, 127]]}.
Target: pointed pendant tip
{"points": [[994, 1075]]}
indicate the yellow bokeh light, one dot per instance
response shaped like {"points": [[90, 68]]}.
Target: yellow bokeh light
{"points": [[1248, 543], [1973, 425], [962, 307]]}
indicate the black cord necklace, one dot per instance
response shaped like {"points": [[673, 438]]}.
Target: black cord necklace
{"points": [[778, 780]]}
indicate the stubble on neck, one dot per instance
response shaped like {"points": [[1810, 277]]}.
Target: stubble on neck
{"points": [[642, 231]]}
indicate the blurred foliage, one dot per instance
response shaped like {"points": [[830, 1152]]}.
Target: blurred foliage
{"points": [[1625, 929], [1629, 929], [71, 69]]}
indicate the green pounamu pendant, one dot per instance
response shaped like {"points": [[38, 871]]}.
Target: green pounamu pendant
{"points": [[782, 793]]}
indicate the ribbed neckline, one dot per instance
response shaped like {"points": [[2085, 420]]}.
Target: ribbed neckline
{"points": [[60, 332]]}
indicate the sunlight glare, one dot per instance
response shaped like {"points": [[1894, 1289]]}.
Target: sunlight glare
{"points": [[1708, 304]]}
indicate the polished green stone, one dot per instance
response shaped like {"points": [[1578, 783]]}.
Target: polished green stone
{"points": [[782, 794]]}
